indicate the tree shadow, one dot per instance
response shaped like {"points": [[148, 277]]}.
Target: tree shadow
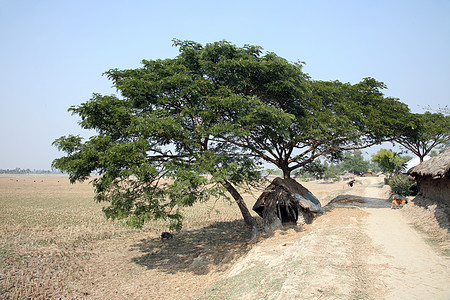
{"points": [[202, 250], [214, 247], [197, 251]]}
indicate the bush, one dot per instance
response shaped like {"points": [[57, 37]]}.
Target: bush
{"points": [[402, 185]]}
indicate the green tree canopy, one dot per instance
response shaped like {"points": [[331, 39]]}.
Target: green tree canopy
{"points": [[324, 119], [215, 110], [390, 162], [355, 162], [163, 127], [421, 133]]}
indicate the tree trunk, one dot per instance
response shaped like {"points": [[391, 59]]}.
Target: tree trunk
{"points": [[286, 172], [249, 220]]}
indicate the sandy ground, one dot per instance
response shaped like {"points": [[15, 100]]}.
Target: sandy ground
{"points": [[413, 269], [359, 249]]}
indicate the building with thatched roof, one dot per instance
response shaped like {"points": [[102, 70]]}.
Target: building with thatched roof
{"points": [[433, 177], [285, 201]]}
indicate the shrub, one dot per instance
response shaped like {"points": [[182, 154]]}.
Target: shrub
{"points": [[402, 185]]}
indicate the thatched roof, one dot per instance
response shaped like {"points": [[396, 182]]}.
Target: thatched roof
{"points": [[285, 201], [436, 167], [415, 162], [287, 192]]}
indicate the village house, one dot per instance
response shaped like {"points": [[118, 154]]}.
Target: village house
{"points": [[433, 177]]}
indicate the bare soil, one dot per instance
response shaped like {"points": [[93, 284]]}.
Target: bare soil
{"points": [[412, 267], [358, 249]]}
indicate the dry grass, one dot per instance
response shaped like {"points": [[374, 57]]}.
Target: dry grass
{"points": [[54, 237], [45, 221]]}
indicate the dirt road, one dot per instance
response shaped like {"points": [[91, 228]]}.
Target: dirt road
{"points": [[359, 249], [413, 270]]}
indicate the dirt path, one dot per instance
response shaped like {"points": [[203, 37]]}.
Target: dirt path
{"points": [[412, 268], [351, 252]]}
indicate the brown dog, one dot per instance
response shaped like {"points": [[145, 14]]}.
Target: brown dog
{"points": [[398, 202]]}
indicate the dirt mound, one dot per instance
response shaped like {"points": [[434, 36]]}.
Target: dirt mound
{"points": [[327, 259]]}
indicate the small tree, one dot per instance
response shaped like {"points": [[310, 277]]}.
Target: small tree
{"points": [[332, 171], [402, 185], [354, 162], [314, 170], [390, 162]]}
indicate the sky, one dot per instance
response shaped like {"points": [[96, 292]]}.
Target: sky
{"points": [[53, 53]]}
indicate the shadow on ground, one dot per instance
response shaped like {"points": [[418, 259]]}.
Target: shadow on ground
{"points": [[214, 247], [201, 250], [196, 250]]}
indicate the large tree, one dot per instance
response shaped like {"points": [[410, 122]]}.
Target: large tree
{"points": [[165, 124], [205, 119], [421, 133]]}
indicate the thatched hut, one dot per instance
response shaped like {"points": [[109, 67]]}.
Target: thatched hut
{"points": [[285, 201], [433, 177]]}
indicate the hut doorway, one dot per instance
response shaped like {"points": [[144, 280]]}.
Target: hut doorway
{"points": [[288, 214]]}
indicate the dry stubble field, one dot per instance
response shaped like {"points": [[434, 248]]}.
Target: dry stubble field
{"points": [[56, 243]]}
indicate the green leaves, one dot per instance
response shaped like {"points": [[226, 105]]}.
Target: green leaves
{"points": [[402, 185], [390, 162], [184, 128], [421, 133], [355, 162], [69, 144]]}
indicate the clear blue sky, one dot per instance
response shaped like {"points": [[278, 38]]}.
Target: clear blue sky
{"points": [[53, 53]]}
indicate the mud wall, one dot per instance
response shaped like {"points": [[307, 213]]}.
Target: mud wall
{"points": [[435, 189]]}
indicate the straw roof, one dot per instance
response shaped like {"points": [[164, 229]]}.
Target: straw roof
{"points": [[436, 167], [415, 162]]}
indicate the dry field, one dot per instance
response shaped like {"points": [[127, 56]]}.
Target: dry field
{"points": [[56, 243]]}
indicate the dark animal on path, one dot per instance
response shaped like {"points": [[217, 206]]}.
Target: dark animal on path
{"points": [[166, 235], [351, 182], [398, 202]]}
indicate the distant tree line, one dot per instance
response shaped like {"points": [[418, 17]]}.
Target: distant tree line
{"points": [[351, 161], [28, 171], [15, 171], [385, 160]]}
